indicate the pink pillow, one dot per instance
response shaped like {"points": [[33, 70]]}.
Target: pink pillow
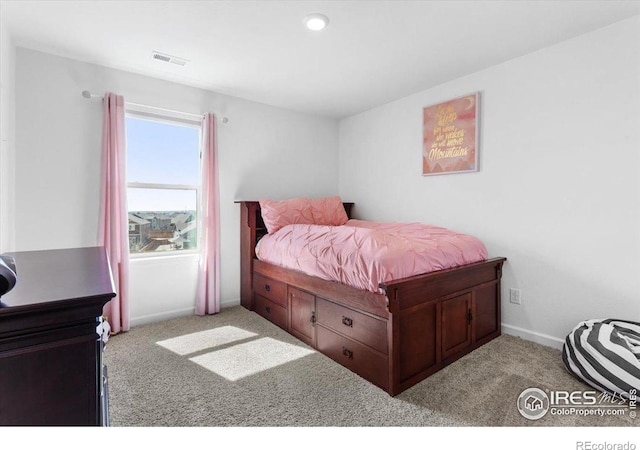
{"points": [[277, 214], [328, 211], [318, 211]]}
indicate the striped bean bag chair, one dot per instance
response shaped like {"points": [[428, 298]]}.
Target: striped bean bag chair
{"points": [[605, 354]]}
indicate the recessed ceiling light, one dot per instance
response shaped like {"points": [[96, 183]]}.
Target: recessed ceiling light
{"points": [[316, 21]]}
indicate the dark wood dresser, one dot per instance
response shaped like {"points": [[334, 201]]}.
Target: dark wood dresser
{"points": [[51, 370]]}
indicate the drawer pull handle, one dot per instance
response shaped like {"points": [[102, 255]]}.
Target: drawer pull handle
{"points": [[313, 317], [267, 288], [268, 309], [346, 352], [347, 321]]}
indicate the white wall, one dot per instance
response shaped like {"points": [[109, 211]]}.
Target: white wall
{"points": [[263, 152], [558, 191], [7, 136]]}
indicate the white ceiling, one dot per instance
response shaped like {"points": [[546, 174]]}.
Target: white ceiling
{"points": [[372, 52]]}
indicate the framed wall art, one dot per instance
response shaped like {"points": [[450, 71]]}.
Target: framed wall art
{"points": [[450, 136]]}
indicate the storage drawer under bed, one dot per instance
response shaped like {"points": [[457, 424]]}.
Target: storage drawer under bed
{"points": [[355, 325], [271, 311], [274, 290], [367, 363]]}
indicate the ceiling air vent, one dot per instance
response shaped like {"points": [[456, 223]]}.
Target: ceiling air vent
{"points": [[170, 59]]}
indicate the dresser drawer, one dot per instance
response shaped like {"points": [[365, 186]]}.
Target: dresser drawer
{"points": [[365, 329], [271, 311], [367, 363], [276, 291]]}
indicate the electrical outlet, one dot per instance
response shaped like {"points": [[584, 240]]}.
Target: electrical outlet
{"points": [[514, 296]]}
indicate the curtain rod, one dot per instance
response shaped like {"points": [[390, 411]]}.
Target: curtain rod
{"points": [[89, 95]]}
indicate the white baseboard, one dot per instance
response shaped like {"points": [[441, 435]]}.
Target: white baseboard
{"points": [[229, 302], [165, 315], [539, 338]]}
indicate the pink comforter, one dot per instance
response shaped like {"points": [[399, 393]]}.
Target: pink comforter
{"points": [[364, 254]]}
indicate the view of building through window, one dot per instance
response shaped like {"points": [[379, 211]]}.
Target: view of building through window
{"points": [[163, 171]]}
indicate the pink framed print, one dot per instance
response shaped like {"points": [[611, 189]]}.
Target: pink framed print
{"points": [[450, 136]]}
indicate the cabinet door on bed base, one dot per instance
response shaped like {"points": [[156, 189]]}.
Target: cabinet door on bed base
{"points": [[302, 315], [456, 324], [486, 315], [419, 344], [435, 333]]}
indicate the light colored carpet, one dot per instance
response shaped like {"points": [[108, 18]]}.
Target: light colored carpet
{"points": [[237, 369]]}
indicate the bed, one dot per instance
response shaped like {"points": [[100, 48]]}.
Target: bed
{"points": [[394, 334]]}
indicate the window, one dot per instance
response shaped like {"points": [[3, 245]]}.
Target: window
{"points": [[163, 188]]}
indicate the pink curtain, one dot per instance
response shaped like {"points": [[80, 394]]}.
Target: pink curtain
{"points": [[113, 231], [208, 293]]}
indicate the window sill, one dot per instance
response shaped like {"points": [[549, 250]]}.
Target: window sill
{"points": [[163, 256]]}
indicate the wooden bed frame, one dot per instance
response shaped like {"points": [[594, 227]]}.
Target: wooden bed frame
{"points": [[394, 340]]}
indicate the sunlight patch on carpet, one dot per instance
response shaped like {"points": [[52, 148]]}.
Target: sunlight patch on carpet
{"points": [[249, 358], [195, 342]]}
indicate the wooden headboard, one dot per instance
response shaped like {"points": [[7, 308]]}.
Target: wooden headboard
{"points": [[252, 229]]}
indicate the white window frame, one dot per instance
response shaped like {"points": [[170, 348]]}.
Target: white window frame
{"points": [[178, 119]]}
